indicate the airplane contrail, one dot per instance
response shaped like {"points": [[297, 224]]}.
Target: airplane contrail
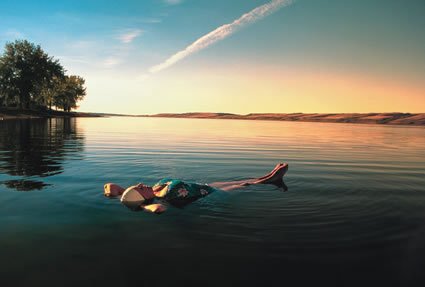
{"points": [[222, 32]]}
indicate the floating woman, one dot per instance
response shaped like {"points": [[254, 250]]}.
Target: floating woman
{"points": [[180, 193]]}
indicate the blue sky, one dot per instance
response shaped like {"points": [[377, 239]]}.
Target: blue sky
{"points": [[310, 56]]}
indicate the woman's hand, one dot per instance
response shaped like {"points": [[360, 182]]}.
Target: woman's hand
{"points": [[155, 208]]}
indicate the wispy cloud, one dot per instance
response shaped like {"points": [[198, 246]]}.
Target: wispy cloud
{"points": [[111, 62], [14, 34], [83, 44], [74, 59], [66, 17], [173, 2], [128, 36], [151, 20], [223, 31]]}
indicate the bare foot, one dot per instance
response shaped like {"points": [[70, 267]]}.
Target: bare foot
{"points": [[274, 176], [278, 166]]}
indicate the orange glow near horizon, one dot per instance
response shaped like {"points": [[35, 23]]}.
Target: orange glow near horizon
{"points": [[256, 90]]}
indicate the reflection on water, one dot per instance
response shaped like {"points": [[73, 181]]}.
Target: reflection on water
{"points": [[33, 149], [353, 216]]}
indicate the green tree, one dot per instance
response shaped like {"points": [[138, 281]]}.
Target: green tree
{"points": [[50, 90], [69, 92], [25, 71]]}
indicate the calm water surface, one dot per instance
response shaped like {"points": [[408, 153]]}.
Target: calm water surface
{"points": [[354, 214]]}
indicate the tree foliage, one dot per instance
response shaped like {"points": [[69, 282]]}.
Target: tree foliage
{"points": [[69, 92], [30, 78]]}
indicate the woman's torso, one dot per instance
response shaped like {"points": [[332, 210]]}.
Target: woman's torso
{"points": [[179, 192]]}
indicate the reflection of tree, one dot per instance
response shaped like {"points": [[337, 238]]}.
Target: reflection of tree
{"points": [[37, 148], [25, 185]]}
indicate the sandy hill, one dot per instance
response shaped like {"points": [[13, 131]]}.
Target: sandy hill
{"points": [[366, 118]]}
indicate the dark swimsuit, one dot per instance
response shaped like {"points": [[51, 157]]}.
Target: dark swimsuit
{"points": [[180, 193]]}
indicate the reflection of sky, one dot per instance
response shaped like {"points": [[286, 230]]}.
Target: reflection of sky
{"points": [[313, 56], [162, 133]]}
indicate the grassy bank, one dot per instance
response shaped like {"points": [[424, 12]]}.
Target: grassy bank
{"points": [[15, 113]]}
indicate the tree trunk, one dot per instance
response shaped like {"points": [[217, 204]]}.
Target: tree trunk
{"points": [[21, 102], [24, 100]]}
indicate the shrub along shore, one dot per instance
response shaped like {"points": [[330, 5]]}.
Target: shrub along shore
{"points": [[17, 113]]}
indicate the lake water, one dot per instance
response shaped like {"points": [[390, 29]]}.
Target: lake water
{"points": [[353, 215]]}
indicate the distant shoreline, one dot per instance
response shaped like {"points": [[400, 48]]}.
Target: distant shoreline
{"points": [[358, 118]]}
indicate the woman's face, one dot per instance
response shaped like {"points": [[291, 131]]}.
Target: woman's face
{"points": [[113, 190]]}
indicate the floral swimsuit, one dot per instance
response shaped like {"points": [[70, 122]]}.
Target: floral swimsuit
{"points": [[179, 193]]}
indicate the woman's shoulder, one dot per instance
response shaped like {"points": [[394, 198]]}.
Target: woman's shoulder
{"points": [[168, 181]]}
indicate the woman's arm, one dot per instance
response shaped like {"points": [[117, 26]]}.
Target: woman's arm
{"points": [[154, 208], [160, 190]]}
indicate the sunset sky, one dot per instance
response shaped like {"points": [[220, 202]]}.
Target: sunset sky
{"points": [[282, 57]]}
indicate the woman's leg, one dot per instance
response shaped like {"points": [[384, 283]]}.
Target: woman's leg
{"points": [[273, 177]]}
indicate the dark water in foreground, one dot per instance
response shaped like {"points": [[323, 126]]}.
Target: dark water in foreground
{"points": [[354, 214]]}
